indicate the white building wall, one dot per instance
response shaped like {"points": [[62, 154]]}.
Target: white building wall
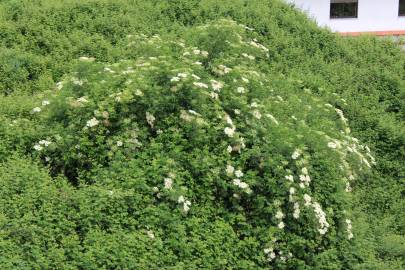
{"points": [[373, 15]]}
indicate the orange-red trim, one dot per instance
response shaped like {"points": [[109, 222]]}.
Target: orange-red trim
{"points": [[375, 33]]}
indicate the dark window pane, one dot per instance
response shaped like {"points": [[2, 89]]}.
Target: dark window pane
{"points": [[343, 10], [401, 7]]}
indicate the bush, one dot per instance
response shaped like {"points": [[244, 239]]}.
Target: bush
{"points": [[304, 81]]}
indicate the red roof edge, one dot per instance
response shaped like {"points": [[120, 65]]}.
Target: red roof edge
{"points": [[374, 33]]}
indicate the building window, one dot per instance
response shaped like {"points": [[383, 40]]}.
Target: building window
{"points": [[344, 9], [401, 7]]}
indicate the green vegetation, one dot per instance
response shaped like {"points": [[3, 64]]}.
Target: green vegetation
{"points": [[193, 134]]}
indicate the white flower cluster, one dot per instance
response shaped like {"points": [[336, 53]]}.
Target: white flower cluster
{"points": [[36, 110], [150, 118], [179, 77], [150, 234], [201, 85], [296, 205], [349, 229], [59, 85], [304, 178], [254, 43], [230, 171], [41, 144], [272, 118], [240, 90], [86, 59], [229, 131], [271, 254], [77, 81], [334, 144], [280, 216], [222, 70], [250, 57], [168, 183], [296, 154], [319, 213], [92, 122], [289, 178], [186, 203], [216, 86]]}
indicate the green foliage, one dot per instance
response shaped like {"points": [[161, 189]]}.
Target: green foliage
{"points": [[83, 178]]}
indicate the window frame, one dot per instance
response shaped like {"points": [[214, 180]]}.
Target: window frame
{"points": [[355, 16], [399, 8]]}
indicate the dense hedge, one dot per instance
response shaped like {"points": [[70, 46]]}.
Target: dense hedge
{"points": [[91, 201]]}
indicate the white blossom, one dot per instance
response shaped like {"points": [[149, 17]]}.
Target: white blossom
{"points": [[229, 149], [332, 145], [194, 112], [229, 131], [181, 199], [92, 122], [182, 75], [175, 79], [239, 173], [307, 199], [224, 69], [186, 206], [45, 102], [245, 80], [348, 187], [150, 234], [204, 53], [38, 147], [44, 142], [214, 95], [216, 85], [272, 118], [200, 85], [320, 214], [240, 90], [150, 119], [296, 213], [59, 85], [289, 178], [279, 214], [82, 100], [168, 183], [296, 154], [241, 184], [76, 81], [36, 110], [86, 59], [230, 170], [257, 114], [281, 225], [119, 143], [349, 229]]}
